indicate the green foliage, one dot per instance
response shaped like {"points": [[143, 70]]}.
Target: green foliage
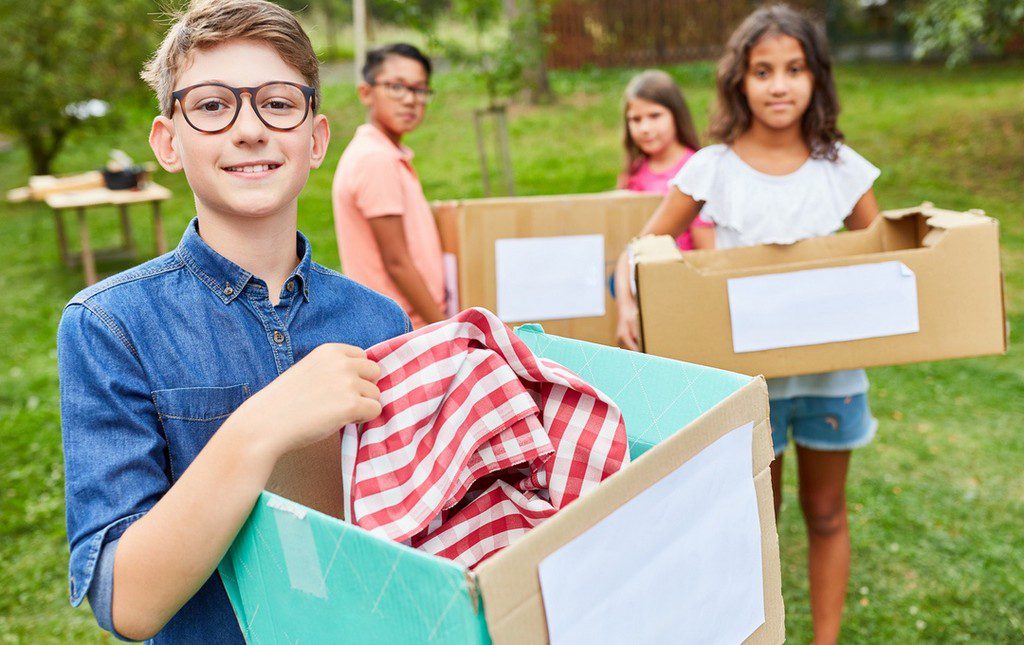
{"points": [[956, 27], [496, 57], [418, 14], [57, 52]]}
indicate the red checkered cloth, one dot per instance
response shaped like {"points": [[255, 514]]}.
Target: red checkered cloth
{"points": [[478, 441]]}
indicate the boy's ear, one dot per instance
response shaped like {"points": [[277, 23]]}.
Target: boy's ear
{"points": [[365, 91], [162, 141], [321, 137]]}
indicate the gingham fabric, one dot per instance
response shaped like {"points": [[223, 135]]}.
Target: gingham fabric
{"points": [[478, 440]]}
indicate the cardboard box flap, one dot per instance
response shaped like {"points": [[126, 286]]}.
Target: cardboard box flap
{"points": [[296, 575], [896, 233], [939, 217], [655, 248], [935, 222]]}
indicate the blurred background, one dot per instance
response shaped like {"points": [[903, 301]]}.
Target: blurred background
{"points": [[932, 93]]}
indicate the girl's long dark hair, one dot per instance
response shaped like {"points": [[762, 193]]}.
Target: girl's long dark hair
{"points": [[732, 115], [657, 87]]}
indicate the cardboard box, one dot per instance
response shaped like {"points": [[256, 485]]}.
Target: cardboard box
{"points": [[556, 247], [919, 284], [294, 574]]}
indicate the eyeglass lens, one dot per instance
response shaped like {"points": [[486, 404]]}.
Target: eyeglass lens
{"points": [[211, 107]]}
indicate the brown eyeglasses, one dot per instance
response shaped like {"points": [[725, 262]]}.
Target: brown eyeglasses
{"points": [[213, 107]]}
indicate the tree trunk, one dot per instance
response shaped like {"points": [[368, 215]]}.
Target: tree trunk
{"points": [[42, 149], [524, 16]]}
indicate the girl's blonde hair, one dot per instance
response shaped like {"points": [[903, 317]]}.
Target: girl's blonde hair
{"points": [[657, 87], [207, 23], [732, 115]]}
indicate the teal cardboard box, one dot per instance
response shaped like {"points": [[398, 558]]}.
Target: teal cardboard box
{"points": [[679, 545]]}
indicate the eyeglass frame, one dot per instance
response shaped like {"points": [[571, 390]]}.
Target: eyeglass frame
{"points": [[178, 96], [420, 94]]}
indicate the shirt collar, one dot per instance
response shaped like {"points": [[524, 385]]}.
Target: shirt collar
{"points": [[226, 279], [369, 130]]}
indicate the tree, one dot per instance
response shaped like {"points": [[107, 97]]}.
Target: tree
{"points": [[527, 19], [956, 27], [55, 53]]}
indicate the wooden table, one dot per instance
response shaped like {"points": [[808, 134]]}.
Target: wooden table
{"points": [[80, 200]]}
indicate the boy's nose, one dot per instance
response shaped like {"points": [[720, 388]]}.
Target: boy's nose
{"points": [[248, 126]]}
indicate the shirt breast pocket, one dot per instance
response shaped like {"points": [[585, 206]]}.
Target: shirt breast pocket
{"points": [[189, 417]]}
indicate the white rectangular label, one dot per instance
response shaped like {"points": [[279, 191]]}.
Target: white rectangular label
{"points": [[550, 278], [678, 563], [822, 306]]}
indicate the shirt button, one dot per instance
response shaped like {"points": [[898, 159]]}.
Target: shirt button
{"points": [[290, 286], [278, 337], [228, 290]]}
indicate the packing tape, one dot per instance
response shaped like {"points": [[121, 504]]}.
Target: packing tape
{"points": [[300, 557]]}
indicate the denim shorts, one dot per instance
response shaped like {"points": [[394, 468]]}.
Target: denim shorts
{"points": [[822, 422]]}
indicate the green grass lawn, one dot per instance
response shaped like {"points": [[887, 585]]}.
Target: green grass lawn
{"points": [[936, 502]]}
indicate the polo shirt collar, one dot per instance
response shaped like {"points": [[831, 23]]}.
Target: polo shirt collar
{"points": [[369, 130]]}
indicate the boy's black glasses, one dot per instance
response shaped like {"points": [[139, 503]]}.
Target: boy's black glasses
{"points": [[398, 91], [213, 107]]}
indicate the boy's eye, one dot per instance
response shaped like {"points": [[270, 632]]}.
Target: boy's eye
{"points": [[210, 105], [278, 104]]}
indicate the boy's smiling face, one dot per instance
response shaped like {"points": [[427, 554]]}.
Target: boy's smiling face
{"points": [[215, 164]]}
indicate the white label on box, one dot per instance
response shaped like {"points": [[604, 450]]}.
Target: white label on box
{"points": [[678, 563], [550, 278], [822, 306]]}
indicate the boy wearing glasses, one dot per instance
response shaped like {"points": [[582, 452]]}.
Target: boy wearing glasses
{"points": [[187, 382], [387, 237]]}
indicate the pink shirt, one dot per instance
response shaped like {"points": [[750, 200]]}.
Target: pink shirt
{"points": [[645, 180], [376, 178]]}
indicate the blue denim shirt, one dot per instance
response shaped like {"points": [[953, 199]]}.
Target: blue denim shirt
{"points": [[151, 362]]}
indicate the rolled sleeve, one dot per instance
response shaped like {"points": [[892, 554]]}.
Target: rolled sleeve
{"points": [[101, 591], [379, 189], [114, 454]]}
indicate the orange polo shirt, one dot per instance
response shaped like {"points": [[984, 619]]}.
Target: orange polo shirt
{"points": [[376, 178]]}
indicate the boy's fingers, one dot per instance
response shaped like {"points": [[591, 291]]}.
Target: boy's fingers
{"points": [[369, 391], [367, 410], [353, 351], [367, 369]]}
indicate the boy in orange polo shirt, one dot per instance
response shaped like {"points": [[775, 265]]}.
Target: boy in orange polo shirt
{"points": [[387, 237]]}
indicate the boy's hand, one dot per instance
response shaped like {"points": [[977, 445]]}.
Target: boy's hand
{"points": [[332, 386]]}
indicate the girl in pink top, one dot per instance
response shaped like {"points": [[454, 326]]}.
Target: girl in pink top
{"points": [[659, 139]]}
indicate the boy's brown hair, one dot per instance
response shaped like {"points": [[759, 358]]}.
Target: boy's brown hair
{"points": [[732, 115], [207, 23]]}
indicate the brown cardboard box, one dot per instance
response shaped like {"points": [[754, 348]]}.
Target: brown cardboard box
{"points": [[697, 307], [470, 229], [299, 575]]}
